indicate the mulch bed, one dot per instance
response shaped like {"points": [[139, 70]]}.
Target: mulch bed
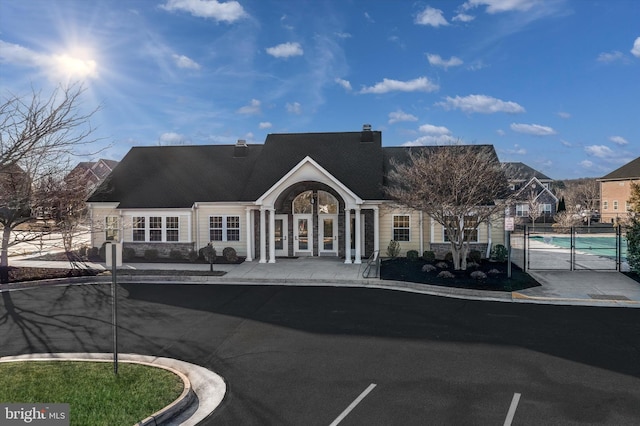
{"points": [[31, 274], [64, 257], [403, 269]]}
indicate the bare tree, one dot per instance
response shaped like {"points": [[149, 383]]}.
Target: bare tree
{"points": [[582, 197], [535, 207], [38, 138], [458, 186]]}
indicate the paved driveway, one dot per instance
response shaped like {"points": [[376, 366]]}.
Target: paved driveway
{"points": [[295, 356]]}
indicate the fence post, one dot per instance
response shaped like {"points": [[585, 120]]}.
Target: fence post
{"points": [[618, 248], [572, 249], [525, 265]]}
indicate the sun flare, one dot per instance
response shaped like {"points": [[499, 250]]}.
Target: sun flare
{"points": [[75, 63]]}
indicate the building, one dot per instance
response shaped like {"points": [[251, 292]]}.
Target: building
{"points": [[91, 173], [303, 194], [615, 191], [531, 190]]}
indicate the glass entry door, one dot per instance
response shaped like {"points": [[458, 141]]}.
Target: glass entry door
{"points": [[282, 231], [328, 230], [303, 235]]}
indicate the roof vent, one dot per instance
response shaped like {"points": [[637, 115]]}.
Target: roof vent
{"points": [[367, 134], [241, 148]]}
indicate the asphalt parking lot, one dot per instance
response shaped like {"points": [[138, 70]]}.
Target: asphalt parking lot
{"points": [[350, 356]]}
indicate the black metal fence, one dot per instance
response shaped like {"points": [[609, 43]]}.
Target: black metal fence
{"points": [[569, 248]]}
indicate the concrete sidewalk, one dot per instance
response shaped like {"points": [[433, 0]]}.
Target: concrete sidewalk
{"points": [[590, 288]]}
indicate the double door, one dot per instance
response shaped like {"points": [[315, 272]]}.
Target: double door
{"points": [[303, 235]]}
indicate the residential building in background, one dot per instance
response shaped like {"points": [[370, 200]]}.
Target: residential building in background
{"points": [[615, 191]]}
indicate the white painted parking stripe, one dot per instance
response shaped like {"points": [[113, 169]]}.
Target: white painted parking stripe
{"points": [[353, 405], [512, 409]]}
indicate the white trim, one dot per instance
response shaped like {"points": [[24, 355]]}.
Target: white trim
{"points": [[393, 216], [268, 198], [225, 229]]}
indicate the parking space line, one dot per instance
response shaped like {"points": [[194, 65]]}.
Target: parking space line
{"points": [[353, 405], [512, 409]]}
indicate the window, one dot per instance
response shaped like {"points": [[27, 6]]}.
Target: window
{"points": [[470, 229], [111, 228], [327, 203], [303, 203], [605, 205], [173, 233], [138, 228], [615, 204], [522, 210], [544, 208], [627, 206], [224, 228], [401, 228], [155, 228]]}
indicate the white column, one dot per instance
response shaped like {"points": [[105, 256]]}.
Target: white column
{"points": [[272, 235], [376, 228], [358, 238], [249, 234], [263, 236], [347, 235]]}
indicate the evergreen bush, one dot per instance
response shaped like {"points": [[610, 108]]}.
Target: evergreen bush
{"points": [[393, 249], [429, 256], [412, 255]]}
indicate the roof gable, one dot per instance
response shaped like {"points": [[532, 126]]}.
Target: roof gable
{"points": [[631, 170]]}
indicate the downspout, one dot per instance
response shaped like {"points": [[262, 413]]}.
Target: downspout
{"points": [[195, 207], [421, 232], [489, 239]]}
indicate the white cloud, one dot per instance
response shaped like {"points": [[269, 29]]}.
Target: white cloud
{"points": [[431, 16], [430, 129], [497, 6], [431, 140], [500, 132], [340, 34], [532, 129], [517, 150], [285, 50], [399, 115], [265, 125], [565, 143], [172, 138], [600, 151], [635, 51], [368, 17], [437, 61], [481, 103], [564, 115], [420, 84], [220, 11], [294, 108], [252, 108], [343, 83], [610, 56], [586, 164], [618, 140], [185, 62], [463, 17]]}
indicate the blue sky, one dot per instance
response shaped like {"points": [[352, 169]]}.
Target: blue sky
{"points": [[552, 83]]}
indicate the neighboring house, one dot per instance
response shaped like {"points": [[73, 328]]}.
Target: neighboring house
{"points": [[91, 173], [304, 194], [532, 189], [615, 191]]}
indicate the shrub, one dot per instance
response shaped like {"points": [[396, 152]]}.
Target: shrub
{"points": [[448, 257], [429, 256], [176, 254], [192, 256], [478, 275], [429, 268], [475, 256], [633, 244], [82, 251], [445, 274], [229, 253], [102, 252], [499, 253], [208, 253], [442, 265], [93, 252], [128, 254], [393, 249], [412, 255], [151, 254], [473, 265], [494, 272]]}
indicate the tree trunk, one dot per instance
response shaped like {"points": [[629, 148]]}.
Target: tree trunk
{"points": [[4, 253]]}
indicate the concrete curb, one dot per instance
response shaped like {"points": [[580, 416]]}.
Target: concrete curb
{"points": [[203, 389]]}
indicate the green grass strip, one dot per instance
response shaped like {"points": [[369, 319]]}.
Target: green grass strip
{"points": [[95, 395]]}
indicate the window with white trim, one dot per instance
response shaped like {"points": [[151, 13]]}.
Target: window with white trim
{"points": [[615, 204], [172, 228], [401, 227], [155, 228], [111, 228], [224, 228], [605, 205], [627, 206], [139, 228], [470, 229], [522, 210], [544, 208]]}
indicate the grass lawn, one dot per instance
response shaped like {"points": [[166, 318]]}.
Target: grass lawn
{"points": [[94, 394]]}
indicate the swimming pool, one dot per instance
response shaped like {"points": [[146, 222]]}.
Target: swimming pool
{"points": [[599, 246]]}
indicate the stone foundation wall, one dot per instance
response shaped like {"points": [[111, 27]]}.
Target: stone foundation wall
{"points": [[164, 249], [441, 249]]}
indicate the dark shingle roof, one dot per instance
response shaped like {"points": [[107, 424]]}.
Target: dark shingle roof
{"points": [[631, 170], [520, 171]]}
